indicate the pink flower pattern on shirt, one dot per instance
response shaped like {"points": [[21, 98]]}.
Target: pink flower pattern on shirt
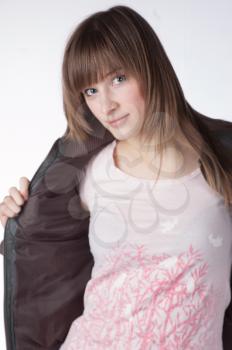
{"points": [[140, 301]]}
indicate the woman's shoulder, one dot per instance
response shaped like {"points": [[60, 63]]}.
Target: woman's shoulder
{"points": [[219, 129], [101, 157], [95, 171], [215, 124], [218, 132], [98, 162]]}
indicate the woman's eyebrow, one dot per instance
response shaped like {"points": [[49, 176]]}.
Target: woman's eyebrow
{"points": [[111, 72]]}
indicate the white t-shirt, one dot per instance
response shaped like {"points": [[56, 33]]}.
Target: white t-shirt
{"points": [[162, 262]]}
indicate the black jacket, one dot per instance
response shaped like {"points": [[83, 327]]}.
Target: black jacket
{"points": [[47, 258]]}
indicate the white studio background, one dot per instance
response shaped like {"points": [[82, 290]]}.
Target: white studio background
{"points": [[196, 35]]}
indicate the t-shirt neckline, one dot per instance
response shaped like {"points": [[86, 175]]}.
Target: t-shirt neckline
{"points": [[184, 178]]}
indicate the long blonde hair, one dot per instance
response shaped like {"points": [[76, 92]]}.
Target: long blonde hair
{"points": [[120, 37]]}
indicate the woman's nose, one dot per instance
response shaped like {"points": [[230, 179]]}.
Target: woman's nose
{"points": [[108, 104]]}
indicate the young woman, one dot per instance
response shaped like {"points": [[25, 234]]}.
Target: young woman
{"points": [[158, 194]]}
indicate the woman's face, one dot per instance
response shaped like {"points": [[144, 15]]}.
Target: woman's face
{"points": [[117, 95]]}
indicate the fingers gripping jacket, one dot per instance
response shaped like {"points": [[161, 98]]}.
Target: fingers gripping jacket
{"points": [[47, 259]]}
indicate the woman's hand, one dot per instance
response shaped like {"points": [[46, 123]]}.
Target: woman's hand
{"points": [[11, 204]]}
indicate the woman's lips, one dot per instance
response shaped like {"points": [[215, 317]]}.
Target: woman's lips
{"points": [[119, 121]]}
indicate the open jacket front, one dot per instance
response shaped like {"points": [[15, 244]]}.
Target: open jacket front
{"points": [[47, 258]]}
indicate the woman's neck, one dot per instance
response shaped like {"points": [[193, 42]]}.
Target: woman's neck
{"points": [[179, 158]]}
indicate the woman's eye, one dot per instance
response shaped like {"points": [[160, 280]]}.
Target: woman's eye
{"points": [[120, 76], [88, 90]]}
